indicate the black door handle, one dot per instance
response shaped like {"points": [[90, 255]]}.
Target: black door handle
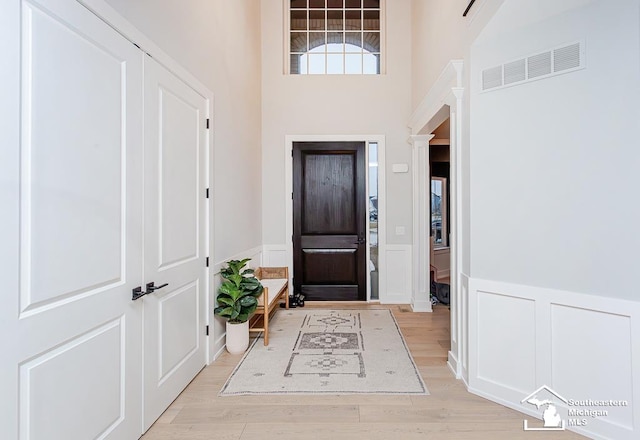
{"points": [[361, 241], [137, 292], [151, 287]]}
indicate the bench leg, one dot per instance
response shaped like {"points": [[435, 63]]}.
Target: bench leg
{"points": [[286, 296], [266, 326]]}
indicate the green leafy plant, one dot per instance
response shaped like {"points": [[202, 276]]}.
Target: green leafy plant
{"points": [[238, 294]]}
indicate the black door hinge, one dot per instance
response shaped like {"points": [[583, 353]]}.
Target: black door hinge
{"points": [[207, 193], [207, 331], [207, 123], [207, 261]]}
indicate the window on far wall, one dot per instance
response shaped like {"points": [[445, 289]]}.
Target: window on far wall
{"points": [[334, 37], [439, 211]]}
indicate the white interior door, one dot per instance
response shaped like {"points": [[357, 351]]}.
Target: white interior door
{"points": [[175, 237], [71, 225]]}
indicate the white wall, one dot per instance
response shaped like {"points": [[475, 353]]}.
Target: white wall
{"points": [[218, 41], [553, 293], [547, 210], [336, 105]]}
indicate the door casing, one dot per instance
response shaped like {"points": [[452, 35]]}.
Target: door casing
{"points": [[288, 176]]}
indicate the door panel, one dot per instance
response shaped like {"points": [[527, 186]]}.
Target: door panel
{"points": [[328, 190], [175, 209], [74, 372], [329, 220]]}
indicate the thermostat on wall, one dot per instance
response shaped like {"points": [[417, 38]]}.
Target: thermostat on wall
{"points": [[400, 168]]}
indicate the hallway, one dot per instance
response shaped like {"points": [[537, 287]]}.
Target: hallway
{"points": [[450, 412]]}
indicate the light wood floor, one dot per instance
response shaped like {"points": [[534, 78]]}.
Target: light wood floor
{"points": [[450, 412]]}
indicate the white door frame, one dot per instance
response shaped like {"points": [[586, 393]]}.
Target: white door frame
{"points": [[442, 101], [288, 177]]}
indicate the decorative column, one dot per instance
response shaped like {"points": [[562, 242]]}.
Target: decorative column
{"points": [[421, 285]]}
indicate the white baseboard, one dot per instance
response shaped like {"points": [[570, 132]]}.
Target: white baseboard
{"points": [[581, 346], [452, 363]]}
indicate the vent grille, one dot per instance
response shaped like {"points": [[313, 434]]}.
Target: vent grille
{"points": [[515, 72], [566, 58], [541, 65], [492, 78]]}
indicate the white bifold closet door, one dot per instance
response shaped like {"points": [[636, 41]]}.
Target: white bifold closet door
{"points": [[175, 236], [71, 225]]}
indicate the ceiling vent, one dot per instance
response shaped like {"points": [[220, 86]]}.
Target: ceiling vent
{"points": [[537, 66]]}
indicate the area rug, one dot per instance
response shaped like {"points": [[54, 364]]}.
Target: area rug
{"points": [[319, 351]]}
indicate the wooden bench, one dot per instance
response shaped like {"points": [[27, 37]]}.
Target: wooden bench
{"points": [[275, 281]]}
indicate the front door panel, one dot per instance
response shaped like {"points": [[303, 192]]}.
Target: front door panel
{"points": [[329, 220]]}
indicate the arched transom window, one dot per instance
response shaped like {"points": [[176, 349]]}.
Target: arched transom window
{"points": [[334, 36]]}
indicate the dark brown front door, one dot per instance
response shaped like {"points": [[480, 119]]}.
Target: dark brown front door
{"points": [[329, 220]]}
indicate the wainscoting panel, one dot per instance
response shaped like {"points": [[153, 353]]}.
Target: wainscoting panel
{"points": [[576, 350], [506, 341], [395, 276], [593, 347], [277, 255]]}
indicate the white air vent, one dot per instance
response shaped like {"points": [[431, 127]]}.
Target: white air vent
{"points": [[541, 65], [566, 58], [492, 78], [515, 72]]}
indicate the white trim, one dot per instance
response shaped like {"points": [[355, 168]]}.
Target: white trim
{"points": [[288, 176], [420, 120], [443, 100]]}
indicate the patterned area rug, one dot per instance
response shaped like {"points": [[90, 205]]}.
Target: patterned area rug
{"points": [[328, 352]]}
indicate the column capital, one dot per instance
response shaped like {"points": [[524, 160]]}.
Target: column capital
{"points": [[420, 140]]}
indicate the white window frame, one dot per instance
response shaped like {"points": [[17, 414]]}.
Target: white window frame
{"points": [[287, 43]]}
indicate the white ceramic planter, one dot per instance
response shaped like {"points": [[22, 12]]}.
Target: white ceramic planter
{"points": [[237, 337]]}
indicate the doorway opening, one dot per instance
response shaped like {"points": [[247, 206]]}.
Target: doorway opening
{"points": [[440, 221]]}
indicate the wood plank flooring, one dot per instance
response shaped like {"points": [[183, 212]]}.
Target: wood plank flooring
{"points": [[450, 412]]}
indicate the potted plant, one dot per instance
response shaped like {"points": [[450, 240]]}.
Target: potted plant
{"points": [[237, 300]]}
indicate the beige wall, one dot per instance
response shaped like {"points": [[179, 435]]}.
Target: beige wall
{"points": [[439, 34], [336, 105], [218, 41]]}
